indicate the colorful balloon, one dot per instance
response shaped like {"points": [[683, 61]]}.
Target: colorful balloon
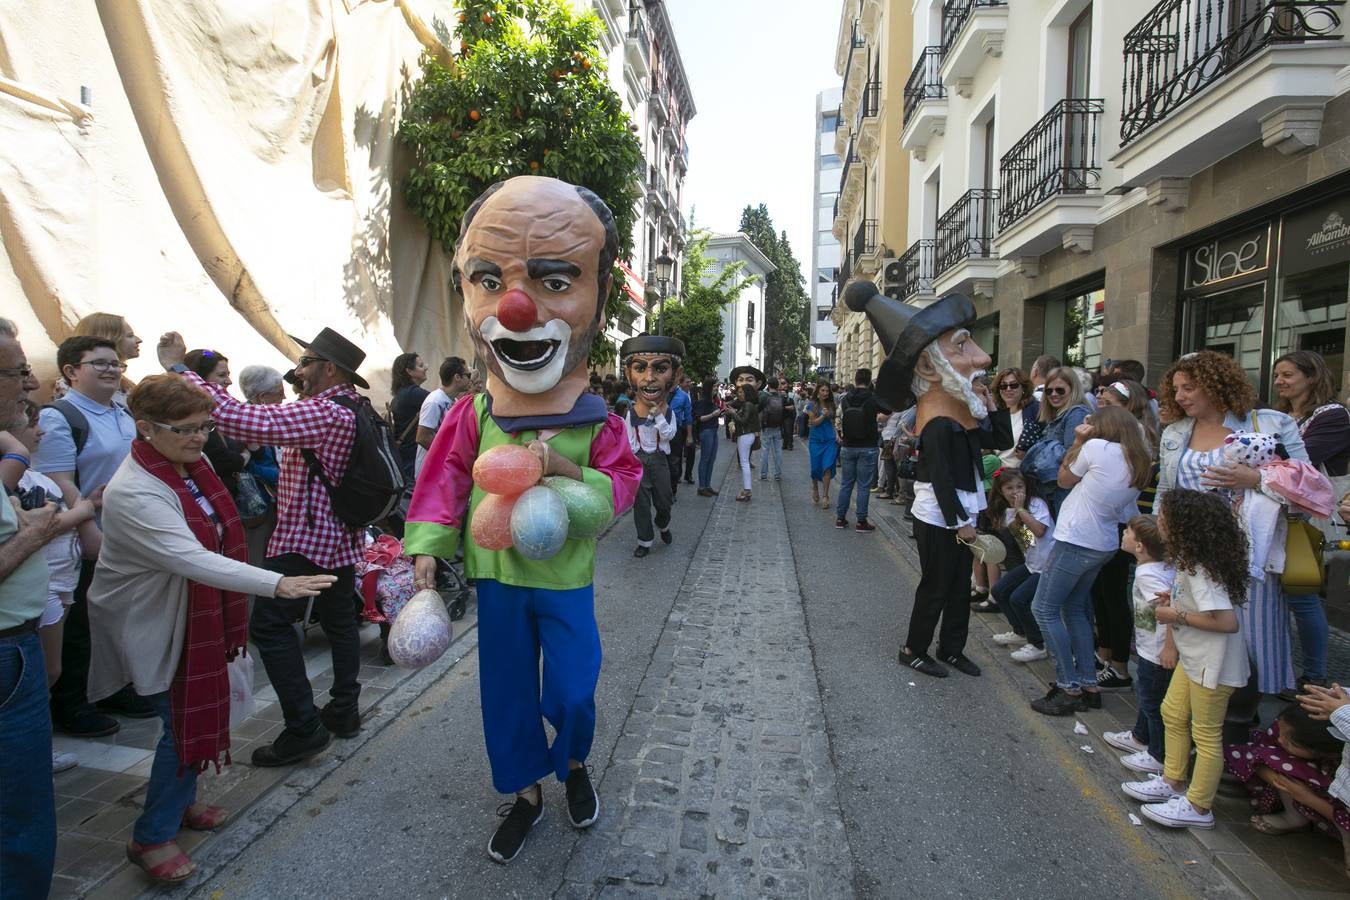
{"points": [[539, 523], [508, 469], [490, 522], [422, 631], [588, 510]]}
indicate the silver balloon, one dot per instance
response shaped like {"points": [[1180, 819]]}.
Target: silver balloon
{"points": [[422, 631]]}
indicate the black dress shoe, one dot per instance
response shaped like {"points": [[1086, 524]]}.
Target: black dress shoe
{"points": [[921, 662], [1058, 702], [667, 537], [689, 481], [1090, 700], [127, 702], [961, 663], [290, 748], [344, 723], [642, 551], [87, 722]]}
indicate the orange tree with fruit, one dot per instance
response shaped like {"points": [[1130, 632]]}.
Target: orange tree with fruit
{"points": [[526, 95]]}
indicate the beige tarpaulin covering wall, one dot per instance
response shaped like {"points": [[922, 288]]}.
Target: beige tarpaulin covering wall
{"points": [[233, 175]]}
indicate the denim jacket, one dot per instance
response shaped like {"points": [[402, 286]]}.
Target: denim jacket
{"points": [[1058, 431], [1177, 437]]}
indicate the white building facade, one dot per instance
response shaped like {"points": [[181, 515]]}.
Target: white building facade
{"points": [[825, 250], [743, 320]]}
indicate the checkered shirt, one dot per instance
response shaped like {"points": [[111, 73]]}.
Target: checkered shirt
{"points": [[305, 521]]}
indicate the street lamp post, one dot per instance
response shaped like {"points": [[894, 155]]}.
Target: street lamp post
{"points": [[665, 268]]}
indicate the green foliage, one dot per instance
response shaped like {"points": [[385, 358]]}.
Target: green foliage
{"points": [[787, 305], [696, 318], [527, 96]]}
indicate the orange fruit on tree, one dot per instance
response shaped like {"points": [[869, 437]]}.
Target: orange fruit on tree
{"points": [[475, 115]]}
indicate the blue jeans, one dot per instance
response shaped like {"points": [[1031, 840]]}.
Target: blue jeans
{"points": [[1150, 686], [27, 798], [1063, 609], [858, 465], [707, 455], [1313, 632], [169, 793], [1013, 594], [772, 440]]}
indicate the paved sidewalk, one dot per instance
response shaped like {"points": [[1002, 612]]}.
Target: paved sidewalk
{"points": [[1267, 867], [722, 773], [98, 802]]}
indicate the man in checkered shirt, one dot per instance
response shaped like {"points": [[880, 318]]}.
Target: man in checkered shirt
{"points": [[309, 538]]}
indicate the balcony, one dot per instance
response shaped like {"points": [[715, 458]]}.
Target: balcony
{"points": [[840, 224], [671, 136], [971, 30], [1202, 80], [869, 117], [682, 158], [915, 267], [866, 250], [657, 198], [637, 50], [672, 213], [851, 179], [1049, 182], [855, 61], [964, 257], [656, 105], [925, 104]]}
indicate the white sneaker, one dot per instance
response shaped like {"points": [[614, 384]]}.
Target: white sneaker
{"points": [[1143, 762], [1030, 653], [1009, 638], [1152, 790], [1177, 813], [62, 761], [1123, 740]]}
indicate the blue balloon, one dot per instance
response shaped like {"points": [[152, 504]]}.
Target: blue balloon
{"points": [[539, 523]]}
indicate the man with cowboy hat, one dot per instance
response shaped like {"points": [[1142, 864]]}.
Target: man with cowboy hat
{"points": [[932, 355], [309, 538], [652, 365]]}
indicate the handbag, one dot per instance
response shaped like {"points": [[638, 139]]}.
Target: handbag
{"points": [[250, 499], [1303, 569], [987, 549]]}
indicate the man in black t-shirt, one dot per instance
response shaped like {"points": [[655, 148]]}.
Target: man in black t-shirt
{"points": [[858, 411]]}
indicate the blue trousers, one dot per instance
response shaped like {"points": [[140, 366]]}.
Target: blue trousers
{"points": [[516, 626], [1063, 608], [169, 793], [858, 466], [27, 798], [1313, 632], [1150, 686], [1013, 593], [707, 455]]}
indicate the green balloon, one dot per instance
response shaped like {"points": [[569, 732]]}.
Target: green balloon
{"points": [[588, 510]]}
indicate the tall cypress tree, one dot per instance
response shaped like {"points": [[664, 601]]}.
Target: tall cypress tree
{"points": [[786, 302]]}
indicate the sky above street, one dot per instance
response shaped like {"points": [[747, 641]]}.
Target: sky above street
{"points": [[755, 67]]}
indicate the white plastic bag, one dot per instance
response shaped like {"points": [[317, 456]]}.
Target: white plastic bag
{"points": [[242, 704]]}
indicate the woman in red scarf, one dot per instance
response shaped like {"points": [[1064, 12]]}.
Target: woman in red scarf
{"points": [[169, 607]]}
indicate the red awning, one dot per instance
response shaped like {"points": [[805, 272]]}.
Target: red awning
{"points": [[634, 286]]}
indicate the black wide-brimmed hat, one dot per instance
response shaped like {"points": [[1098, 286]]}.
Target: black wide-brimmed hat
{"points": [[339, 351], [651, 343], [740, 370], [904, 332]]}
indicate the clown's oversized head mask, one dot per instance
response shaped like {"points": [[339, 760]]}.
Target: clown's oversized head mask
{"points": [[533, 262]]}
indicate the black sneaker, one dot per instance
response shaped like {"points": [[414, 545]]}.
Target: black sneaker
{"points": [[1112, 680], [1057, 702], [518, 819], [921, 662], [290, 748], [1090, 700], [1101, 666], [642, 551], [962, 663], [864, 527], [583, 806], [87, 722], [840, 522], [344, 723], [667, 537]]}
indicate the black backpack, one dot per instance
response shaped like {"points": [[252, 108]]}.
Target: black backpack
{"points": [[79, 428], [773, 411], [372, 484], [855, 420]]}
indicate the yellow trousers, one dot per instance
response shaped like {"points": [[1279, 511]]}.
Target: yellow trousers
{"points": [[1194, 713]]}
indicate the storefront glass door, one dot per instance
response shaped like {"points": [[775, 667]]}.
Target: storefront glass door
{"points": [[1230, 322], [1311, 315]]}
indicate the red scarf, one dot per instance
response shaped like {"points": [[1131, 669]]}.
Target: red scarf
{"points": [[217, 622]]}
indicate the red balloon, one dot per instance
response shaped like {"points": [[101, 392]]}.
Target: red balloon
{"points": [[508, 469], [516, 311], [490, 523]]}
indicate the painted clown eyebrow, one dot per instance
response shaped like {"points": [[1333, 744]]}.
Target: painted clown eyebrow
{"points": [[542, 268], [476, 266]]}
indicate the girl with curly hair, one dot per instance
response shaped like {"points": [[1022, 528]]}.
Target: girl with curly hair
{"points": [[1206, 397], [1207, 547]]}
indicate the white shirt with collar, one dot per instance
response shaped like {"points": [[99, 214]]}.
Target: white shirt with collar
{"points": [[651, 434]]}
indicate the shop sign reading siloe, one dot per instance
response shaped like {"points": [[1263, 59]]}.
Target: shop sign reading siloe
{"points": [[1316, 237], [1229, 257]]}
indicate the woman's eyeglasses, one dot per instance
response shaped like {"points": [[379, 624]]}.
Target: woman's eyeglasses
{"points": [[1056, 391], [1010, 386], [187, 430]]}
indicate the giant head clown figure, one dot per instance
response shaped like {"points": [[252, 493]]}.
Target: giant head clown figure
{"points": [[533, 263]]}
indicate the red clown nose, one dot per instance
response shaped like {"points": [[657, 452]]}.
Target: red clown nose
{"points": [[516, 311]]}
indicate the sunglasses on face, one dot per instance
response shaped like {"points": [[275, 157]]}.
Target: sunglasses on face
{"points": [[1009, 386], [1056, 391]]}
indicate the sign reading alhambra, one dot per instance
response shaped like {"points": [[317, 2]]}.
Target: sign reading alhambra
{"points": [[1316, 237]]}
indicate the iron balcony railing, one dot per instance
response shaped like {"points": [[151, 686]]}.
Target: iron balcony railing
{"points": [[865, 238], [966, 230], [1183, 46], [870, 104], [845, 270], [925, 82], [656, 104], [637, 32], [1059, 155], [856, 42], [955, 14], [916, 268], [850, 158], [836, 206]]}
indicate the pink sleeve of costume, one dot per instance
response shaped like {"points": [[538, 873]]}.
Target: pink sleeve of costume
{"points": [[612, 456], [441, 495]]}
